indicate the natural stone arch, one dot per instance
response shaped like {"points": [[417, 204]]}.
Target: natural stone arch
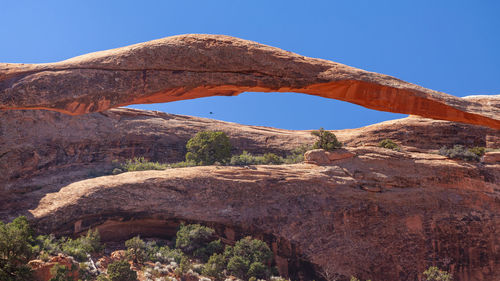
{"points": [[193, 66]]}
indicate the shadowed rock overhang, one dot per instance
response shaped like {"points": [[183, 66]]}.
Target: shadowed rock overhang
{"points": [[194, 66]]}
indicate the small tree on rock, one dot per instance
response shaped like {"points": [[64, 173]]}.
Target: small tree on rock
{"points": [[120, 271], [327, 140], [206, 148]]}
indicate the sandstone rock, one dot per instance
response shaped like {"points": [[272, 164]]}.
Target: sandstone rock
{"points": [[193, 66], [118, 255], [432, 209], [339, 154], [316, 156], [323, 157], [41, 269], [491, 157], [43, 150]]}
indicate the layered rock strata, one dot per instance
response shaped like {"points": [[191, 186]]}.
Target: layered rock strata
{"points": [[382, 214], [193, 66]]}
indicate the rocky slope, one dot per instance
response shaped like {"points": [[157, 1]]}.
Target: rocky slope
{"points": [[381, 214], [47, 150], [192, 66]]}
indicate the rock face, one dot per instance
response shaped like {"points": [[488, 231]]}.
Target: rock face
{"points": [[41, 269], [43, 151], [428, 211], [380, 214], [194, 66], [492, 157], [322, 157]]}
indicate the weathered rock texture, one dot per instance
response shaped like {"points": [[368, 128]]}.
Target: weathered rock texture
{"points": [[323, 157], [194, 66], [427, 211], [42, 150], [41, 269], [381, 214]]}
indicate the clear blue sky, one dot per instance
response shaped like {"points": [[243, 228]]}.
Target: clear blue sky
{"points": [[449, 46]]}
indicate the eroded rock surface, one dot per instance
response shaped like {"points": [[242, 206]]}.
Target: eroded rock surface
{"points": [[382, 214], [427, 210], [193, 66]]}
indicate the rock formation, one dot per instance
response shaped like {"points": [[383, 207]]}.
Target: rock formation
{"points": [[194, 66], [381, 214], [44, 150], [365, 211]]}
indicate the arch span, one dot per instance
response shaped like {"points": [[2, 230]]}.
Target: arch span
{"points": [[193, 66]]}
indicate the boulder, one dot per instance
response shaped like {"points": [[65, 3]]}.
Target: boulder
{"points": [[41, 269], [491, 157], [323, 157]]}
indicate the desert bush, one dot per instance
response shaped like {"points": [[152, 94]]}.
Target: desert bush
{"points": [[198, 241], [297, 154], [165, 254], [389, 144], [248, 258], [243, 159], [461, 152], [479, 151], [272, 159], [215, 267], [138, 164], [81, 247], [258, 270], [238, 266], [246, 158], [326, 140], [435, 274], [208, 147], [182, 164], [102, 277], [136, 249], [60, 273], [48, 244], [120, 271], [16, 249]]}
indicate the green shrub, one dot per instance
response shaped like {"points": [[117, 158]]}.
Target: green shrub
{"points": [[16, 240], [258, 270], [435, 274], [102, 277], [460, 152], [272, 159], [238, 266], [253, 250], [60, 273], [327, 140], [208, 147], [297, 154], [198, 241], [48, 244], [138, 164], [82, 246], [248, 258], [184, 265], [246, 158], [389, 144], [120, 271], [215, 267], [165, 254], [136, 249], [479, 151]]}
